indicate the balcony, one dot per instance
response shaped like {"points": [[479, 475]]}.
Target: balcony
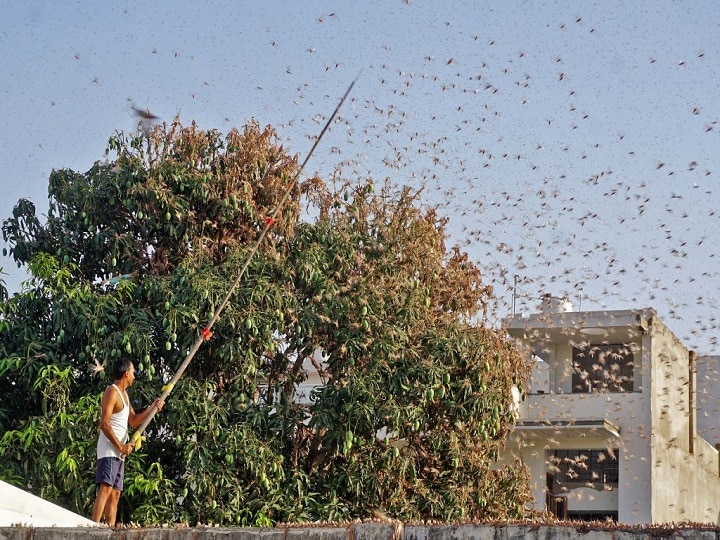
{"points": [[557, 429]]}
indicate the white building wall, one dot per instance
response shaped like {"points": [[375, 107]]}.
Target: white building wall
{"points": [[534, 459], [633, 413], [708, 398], [686, 476], [634, 486]]}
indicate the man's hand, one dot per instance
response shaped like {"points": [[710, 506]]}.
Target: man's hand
{"points": [[158, 404], [125, 449]]}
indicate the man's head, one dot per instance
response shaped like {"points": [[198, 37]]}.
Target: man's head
{"points": [[122, 367]]}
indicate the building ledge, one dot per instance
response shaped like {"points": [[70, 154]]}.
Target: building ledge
{"points": [[568, 428]]}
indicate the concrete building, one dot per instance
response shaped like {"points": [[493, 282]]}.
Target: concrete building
{"points": [[609, 425]]}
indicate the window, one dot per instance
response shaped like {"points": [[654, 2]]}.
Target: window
{"points": [[598, 368], [583, 466]]}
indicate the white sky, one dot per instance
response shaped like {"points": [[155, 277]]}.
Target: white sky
{"points": [[573, 145]]}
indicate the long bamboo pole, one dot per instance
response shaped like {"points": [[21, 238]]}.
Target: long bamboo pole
{"points": [[206, 333]]}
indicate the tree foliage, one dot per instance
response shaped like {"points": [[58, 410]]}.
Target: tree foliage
{"points": [[135, 255]]}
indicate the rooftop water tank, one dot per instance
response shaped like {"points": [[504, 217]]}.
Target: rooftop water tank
{"points": [[555, 304]]}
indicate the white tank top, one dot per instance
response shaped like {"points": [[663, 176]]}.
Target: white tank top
{"points": [[119, 425]]}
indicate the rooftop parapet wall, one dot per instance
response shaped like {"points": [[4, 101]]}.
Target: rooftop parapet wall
{"points": [[377, 531]]}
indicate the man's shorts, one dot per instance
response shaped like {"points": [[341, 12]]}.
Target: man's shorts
{"points": [[110, 471]]}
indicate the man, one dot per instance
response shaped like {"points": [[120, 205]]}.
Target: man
{"points": [[112, 446]]}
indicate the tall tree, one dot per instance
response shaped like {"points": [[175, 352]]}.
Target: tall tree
{"points": [[415, 395]]}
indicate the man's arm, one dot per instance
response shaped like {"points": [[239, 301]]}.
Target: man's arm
{"points": [[138, 418]]}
